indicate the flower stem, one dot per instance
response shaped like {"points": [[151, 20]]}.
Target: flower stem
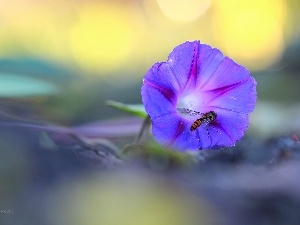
{"points": [[144, 131]]}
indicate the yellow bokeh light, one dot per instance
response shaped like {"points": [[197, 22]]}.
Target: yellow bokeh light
{"points": [[128, 199], [34, 30], [183, 10], [251, 31], [102, 37], [105, 36]]}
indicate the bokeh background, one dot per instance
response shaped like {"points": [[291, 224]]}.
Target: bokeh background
{"points": [[60, 60]]}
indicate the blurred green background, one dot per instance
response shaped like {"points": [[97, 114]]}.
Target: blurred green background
{"points": [[60, 60]]}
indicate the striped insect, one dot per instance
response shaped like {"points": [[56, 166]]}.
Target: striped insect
{"points": [[205, 117]]}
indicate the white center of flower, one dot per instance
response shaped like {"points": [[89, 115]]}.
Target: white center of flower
{"points": [[195, 101], [188, 101]]}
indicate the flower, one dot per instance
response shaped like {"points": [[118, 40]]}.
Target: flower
{"points": [[198, 99]]}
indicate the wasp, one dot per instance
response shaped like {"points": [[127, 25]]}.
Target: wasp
{"points": [[205, 117]]}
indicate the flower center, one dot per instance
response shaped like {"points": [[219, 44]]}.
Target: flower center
{"points": [[189, 102], [194, 101]]}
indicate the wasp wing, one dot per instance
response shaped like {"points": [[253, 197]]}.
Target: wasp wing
{"points": [[189, 111]]}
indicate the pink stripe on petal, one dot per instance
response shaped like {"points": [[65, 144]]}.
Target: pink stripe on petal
{"points": [[238, 97], [183, 62], [179, 129], [169, 95], [193, 74]]}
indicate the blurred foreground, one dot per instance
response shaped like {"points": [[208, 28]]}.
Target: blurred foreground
{"points": [[54, 175]]}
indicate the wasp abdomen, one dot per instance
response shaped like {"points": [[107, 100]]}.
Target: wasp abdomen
{"points": [[196, 124], [206, 118]]}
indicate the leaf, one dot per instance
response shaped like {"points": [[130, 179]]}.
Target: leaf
{"points": [[13, 85], [134, 109]]}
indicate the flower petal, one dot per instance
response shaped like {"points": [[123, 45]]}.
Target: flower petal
{"points": [[229, 128], [173, 131], [160, 77], [183, 61], [162, 105], [239, 97], [218, 71]]}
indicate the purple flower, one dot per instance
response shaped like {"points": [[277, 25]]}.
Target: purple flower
{"points": [[198, 99]]}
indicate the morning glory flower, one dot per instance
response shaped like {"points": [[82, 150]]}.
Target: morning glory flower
{"points": [[198, 98]]}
